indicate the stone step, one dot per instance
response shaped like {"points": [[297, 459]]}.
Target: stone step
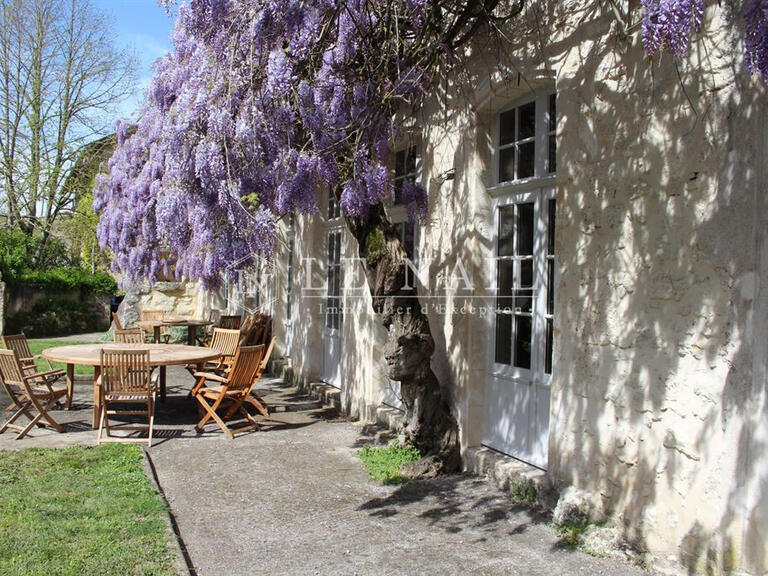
{"points": [[508, 474], [325, 393], [390, 418]]}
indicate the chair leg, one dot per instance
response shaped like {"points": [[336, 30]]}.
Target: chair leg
{"points": [[151, 409], [196, 388], [211, 410], [21, 410], [99, 438], [207, 416], [43, 411], [28, 427]]}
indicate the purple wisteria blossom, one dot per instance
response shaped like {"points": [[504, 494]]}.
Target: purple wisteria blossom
{"points": [[249, 118], [756, 21], [671, 23]]}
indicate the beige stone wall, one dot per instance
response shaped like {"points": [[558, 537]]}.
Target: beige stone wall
{"points": [[182, 299], [658, 408]]}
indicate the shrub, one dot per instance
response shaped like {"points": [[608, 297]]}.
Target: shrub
{"points": [[383, 463], [21, 253], [56, 317], [68, 279]]}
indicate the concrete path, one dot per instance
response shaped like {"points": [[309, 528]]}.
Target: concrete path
{"points": [[294, 499]]}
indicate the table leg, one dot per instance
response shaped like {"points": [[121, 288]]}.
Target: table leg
{"points": [[70, 384], [162, 383], [191, 335], [96, 397], [156, 334]]}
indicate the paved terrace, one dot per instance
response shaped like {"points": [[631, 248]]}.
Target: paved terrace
{"points": [[294, 499]]}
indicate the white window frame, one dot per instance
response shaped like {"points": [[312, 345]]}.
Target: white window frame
{"points": [[540, 198], [398, 213], [334, 224], [539, 189], [540, 139]]}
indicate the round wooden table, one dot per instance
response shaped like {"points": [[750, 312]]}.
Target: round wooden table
{"points": [[160, 355], [192, 326]]}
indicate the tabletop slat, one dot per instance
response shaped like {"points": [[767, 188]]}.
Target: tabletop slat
{"points": [[159, 354]]}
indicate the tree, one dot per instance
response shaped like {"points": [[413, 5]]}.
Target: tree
{"points": [[79, 229], [60, 77], [263, 105]]}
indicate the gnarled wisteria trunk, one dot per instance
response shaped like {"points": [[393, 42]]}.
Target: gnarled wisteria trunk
{"points": [[430, 425]]}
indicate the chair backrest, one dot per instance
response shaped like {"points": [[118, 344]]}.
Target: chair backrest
{"points": [[126, 371], [131, 336], [225, 341], [230, 322], [18, 343], [267, 355], [11, 372], [150, 315], [116, 320], [245, 366]]}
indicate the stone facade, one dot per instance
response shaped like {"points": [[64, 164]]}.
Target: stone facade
{"points": [[657, 410], [179, 299], [657, 403]]}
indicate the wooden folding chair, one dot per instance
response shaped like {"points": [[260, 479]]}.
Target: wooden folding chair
{"points": [[18, 343], [27, 395], [225, 342], [116, 320], [131, 336], [253, 398], [230, 391], [230, 322], [126, 380], [156, 315]]}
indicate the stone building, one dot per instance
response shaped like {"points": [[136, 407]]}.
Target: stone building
{"points": [[593, 266]]}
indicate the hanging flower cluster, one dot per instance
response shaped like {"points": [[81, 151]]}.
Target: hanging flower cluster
{"points": [[263, 105], [260, 106], [672, 23]]}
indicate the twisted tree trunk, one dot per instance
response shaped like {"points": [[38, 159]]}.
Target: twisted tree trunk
{"points": [[430, 425]]}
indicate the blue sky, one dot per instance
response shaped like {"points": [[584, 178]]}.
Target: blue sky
{"points": [[145, 28]]}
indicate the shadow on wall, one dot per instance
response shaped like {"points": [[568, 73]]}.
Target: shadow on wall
{"points": [[659, 219]]}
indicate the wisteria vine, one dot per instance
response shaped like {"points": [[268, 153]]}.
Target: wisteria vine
{"points": [[672, 24], [264, 104]]}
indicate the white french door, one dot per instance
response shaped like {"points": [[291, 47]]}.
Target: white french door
{"points": [[518, 387], [334, 313]]}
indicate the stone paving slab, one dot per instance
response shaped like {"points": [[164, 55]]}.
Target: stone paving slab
{"points": [[294, 499]]}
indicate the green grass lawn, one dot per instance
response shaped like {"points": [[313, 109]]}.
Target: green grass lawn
{"points": [[37, 346], [80, 511]]}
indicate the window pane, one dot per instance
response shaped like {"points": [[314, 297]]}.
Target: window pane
{"points": [[398, 184], [523, 326], [525, 229], [333, 206], [506, 229], [526, 159], [551, 213], [524, 292], [548, 352], [504, 285], [504, 338], [552, 159], [552, 124], [507, 128], [400, 163], [410, 162], [507, 164], [408, 237], [550, 286], [527, 121]]}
